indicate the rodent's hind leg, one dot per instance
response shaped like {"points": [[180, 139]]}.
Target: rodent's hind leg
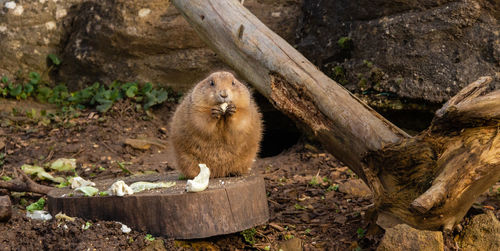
{"points": [[187, 166]]}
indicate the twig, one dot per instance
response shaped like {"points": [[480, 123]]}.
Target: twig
{"points": [[22, 183], [108, 147], [276, 226]]}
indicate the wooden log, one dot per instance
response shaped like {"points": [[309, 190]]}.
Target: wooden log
{"points": [[228, 205]]}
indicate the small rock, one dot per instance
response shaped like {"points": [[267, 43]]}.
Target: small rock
{"points": [[335, 175], [481, 233], [294, 244], [355, 188], [144, 12], [404, 237], [5, 208]]}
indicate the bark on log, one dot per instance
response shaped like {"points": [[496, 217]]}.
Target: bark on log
{"points": [[428, 181]]}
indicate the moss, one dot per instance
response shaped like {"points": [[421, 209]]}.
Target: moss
{"points": [[345, 43], [363, 84], [369, 64]]}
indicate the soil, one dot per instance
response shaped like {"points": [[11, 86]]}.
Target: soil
{"points": [[301, 183]]}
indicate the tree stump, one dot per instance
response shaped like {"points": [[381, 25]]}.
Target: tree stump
{"points": [[228, 205]]}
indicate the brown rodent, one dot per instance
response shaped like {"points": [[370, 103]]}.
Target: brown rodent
{"points": [[202, 132]]}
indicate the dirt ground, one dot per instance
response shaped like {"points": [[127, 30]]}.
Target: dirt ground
{"points": [[306, 197]]}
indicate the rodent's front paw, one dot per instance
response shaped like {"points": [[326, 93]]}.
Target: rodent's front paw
{"points": [[231, 109], [217, 112]]}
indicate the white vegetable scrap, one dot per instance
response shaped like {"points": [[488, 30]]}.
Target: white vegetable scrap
{"points": [[77, 182], [223, 106], [119, 188], [39, 215], [200, 182], [142, 185], [10, 5], [125, 229]]}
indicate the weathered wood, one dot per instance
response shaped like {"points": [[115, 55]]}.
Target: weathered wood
{"points": [[228, 205], [428, 181]]}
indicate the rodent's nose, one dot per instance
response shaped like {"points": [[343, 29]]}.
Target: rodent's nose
{"points": [[223, 94]]}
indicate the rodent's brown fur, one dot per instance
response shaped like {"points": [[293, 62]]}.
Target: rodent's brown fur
{"points": [[202, 133]]}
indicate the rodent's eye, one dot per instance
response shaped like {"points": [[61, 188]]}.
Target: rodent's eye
{"points": [[234, 83], [212, 83]]}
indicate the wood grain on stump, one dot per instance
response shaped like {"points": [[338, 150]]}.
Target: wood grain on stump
{"points": [[228, 205]]}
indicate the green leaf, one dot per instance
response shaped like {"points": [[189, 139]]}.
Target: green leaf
{"points": [[132, 91], [36, 206], [6, 178], [88, 191], [63, 164], [15, 90], [104, 107], [161, 96], [54, 59], [361, 233], [43, 93], [122, 166], [28, 88], [87, 225], [149, 237], [5, 79], [34, 77], [147, 88]]}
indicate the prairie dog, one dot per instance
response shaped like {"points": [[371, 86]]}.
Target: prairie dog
{"points": [[217, 124]]}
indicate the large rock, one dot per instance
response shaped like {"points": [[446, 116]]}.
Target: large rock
{"points": [[118, 39], [404, 237], [426, 50], [355, 188], [482, 233], [5, 208]]}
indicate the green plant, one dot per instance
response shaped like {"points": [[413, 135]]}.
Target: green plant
{"points": [[345, 43], [299, 207], [249, 235], [314, 181], [36, 206], [2, 159], [87, 225], [122, 166], [333, 188], [102, 97], [149, 237], [361, 233]]}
